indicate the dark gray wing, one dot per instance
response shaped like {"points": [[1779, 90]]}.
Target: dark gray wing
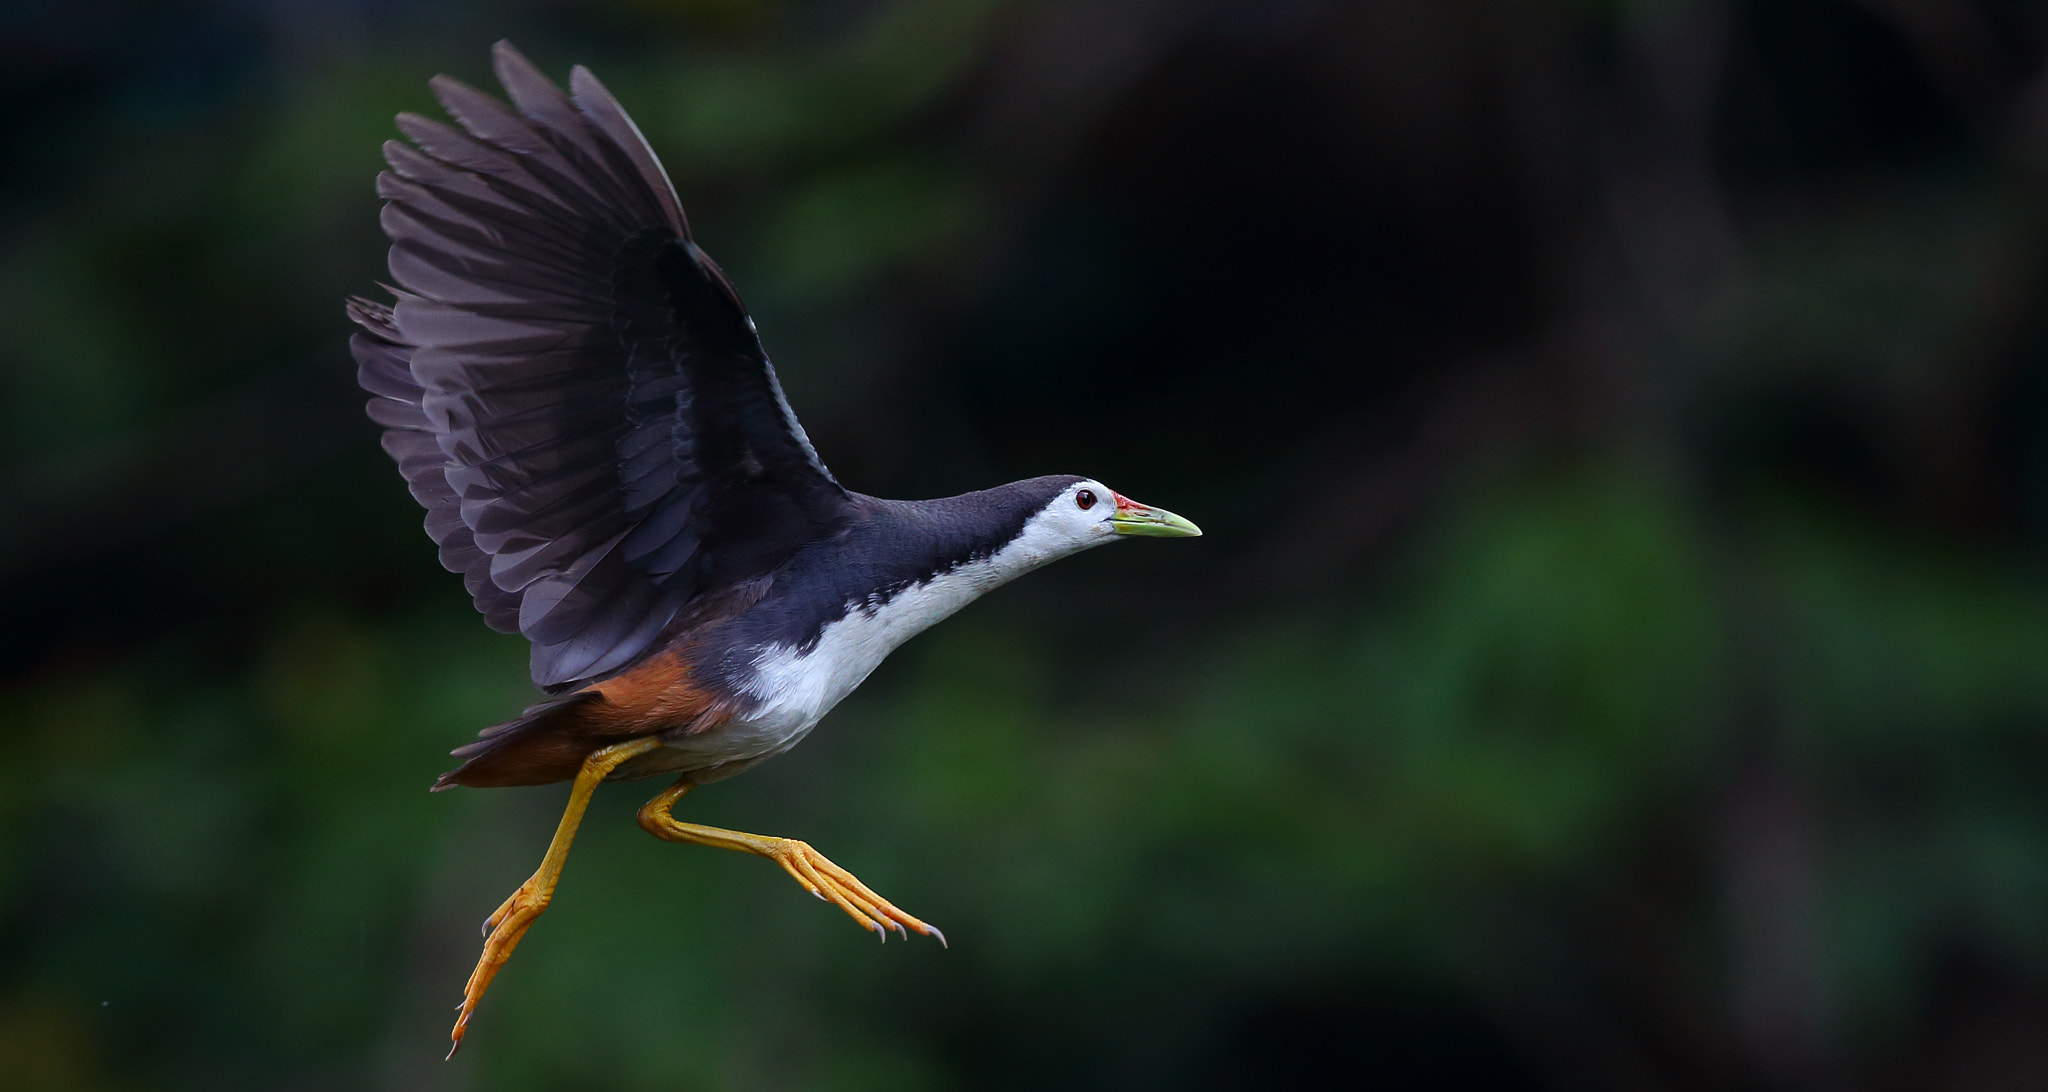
{"points": [[571, 387]]}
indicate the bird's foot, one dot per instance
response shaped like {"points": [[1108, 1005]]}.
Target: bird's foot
{"points": [[835, 885], [502, 933], [807, 866], [526, 892]]}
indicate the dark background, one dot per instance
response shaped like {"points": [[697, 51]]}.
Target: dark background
{"points": [[1618, 658]]}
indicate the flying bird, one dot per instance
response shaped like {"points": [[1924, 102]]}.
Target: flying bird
{"points": [[577, 396]]}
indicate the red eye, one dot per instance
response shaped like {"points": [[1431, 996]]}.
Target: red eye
{"points": [[1085, 498]]}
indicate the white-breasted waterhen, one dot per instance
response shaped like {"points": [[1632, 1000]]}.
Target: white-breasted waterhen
{"points": [[578, 398]]}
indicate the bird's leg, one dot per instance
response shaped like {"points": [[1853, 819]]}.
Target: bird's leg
{"points": [[810, 868], [515, 915]]}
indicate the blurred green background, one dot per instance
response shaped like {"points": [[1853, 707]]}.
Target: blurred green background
{"points": [[1618, 658]]}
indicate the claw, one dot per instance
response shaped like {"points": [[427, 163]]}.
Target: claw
{"points": [[812, 870], [513, 917], [833, 884]]}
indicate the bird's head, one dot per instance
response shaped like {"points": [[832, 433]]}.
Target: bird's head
{"points": [[1087, 513]]}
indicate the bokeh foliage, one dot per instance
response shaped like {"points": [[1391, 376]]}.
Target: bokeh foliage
{"points": [[1619, 656]]}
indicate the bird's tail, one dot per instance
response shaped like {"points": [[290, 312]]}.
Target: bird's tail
{"points": [[548, 743]]}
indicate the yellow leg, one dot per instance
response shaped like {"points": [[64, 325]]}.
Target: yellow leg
{"points": [[809, 867], [515, 915]]}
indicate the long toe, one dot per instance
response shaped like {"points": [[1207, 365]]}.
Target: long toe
{"points": [[503, 932], [842, 888]]}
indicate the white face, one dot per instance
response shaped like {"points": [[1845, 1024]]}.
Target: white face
{"points": [[1081, 514], [1078, 518]]}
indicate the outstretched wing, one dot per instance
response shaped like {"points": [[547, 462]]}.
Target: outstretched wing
{"points": [[571, 387]]}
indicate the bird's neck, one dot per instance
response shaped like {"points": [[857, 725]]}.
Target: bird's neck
{"points": [[927, 559], [797, 681]]}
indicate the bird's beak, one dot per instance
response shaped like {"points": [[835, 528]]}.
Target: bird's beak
{"points": [[1133, 518]]}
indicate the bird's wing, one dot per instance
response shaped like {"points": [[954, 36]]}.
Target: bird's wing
{"points": [[571, 387]]}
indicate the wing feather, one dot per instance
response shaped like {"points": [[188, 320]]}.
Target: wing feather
{"points": [[571, 388], [409, 438]]}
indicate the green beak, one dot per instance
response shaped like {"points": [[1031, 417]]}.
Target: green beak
{"points": [[1133, 518]]}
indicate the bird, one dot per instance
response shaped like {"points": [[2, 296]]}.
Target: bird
{"points": [[577, 396]]}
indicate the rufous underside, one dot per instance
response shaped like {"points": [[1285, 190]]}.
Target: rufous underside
{"points": [[549, 743]]}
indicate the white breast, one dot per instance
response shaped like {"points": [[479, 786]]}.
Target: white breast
{"points": [[797, 688]]}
